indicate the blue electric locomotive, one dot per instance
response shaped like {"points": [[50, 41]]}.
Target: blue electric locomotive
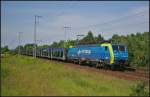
{"points": [[101, 54]]}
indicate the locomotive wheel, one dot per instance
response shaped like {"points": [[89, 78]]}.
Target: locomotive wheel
{"points": [[80, 63], [113, 67], [98, 65], [75, 62]]}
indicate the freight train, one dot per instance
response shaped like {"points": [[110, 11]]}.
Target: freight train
{"points": [[98, 55]]}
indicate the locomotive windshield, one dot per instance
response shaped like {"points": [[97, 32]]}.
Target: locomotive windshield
{"points": [[118, 47], [121, 48], [115, 47]]}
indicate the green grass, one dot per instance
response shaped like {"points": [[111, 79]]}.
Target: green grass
{"points": [[23, 75]]}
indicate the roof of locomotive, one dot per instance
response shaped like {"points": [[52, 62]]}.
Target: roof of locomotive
{"points": [[98, 44]]}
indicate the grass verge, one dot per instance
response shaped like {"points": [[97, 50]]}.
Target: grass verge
{"points": [[23, 75]]}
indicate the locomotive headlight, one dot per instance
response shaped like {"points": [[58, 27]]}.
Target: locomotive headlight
{"points": [[106, 57]]}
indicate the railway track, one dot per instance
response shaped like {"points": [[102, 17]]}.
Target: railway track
{"points": [[128, 75]]}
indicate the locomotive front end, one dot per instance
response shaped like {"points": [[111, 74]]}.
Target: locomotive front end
{"points": [[120, 55]]}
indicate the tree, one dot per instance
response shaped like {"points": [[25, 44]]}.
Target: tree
{"points": [[70, 43], [115, 38], [54, 44], [4, 49], [61, 43], [139, 90], [17, 49], [99, 38], [88, 39], [137, 47]]}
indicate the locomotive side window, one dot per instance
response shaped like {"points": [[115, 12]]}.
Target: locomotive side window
{"points": [[118, 47], [115, 47], [106, 48]]}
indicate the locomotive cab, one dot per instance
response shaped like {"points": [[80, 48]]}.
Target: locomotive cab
{"points": [[120, 54]]}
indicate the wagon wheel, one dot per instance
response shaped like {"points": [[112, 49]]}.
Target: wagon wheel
{"points": [[75, 62]]}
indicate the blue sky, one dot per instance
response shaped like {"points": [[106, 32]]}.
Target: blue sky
{"points": [[81, 16]]}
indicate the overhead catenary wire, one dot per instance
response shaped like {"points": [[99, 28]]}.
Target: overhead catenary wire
{"points": [[126, 25], [115, 20], [110, 22], [133, 25]]}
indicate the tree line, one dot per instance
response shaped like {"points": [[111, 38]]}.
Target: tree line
{"points": [[138, 45]]}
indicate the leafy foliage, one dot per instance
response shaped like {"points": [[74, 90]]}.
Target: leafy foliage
{"points": [[89, 39], [137, 47], [4, 49], [139, 90]]}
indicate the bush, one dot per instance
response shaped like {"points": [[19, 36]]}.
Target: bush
{"points": [[140, 90], [4, 72]]}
